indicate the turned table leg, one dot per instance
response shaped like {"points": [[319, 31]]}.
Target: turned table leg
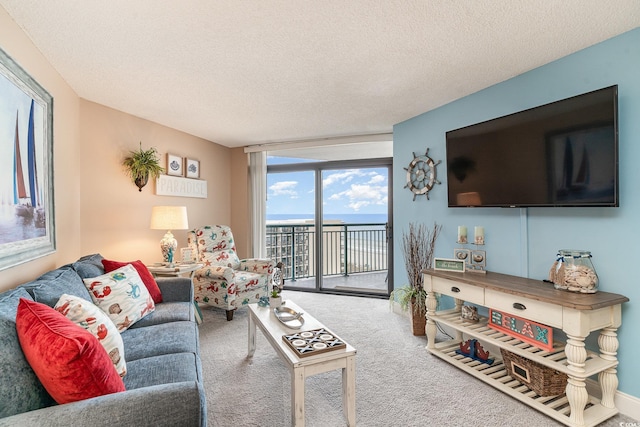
{"points": [[576, 387], [608, 343]]}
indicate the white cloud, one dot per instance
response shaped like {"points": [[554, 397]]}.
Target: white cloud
{"points": [[362, 195], [342, 177], [376, 179], [284, 188]]}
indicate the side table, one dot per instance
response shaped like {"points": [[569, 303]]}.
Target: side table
{"points": [[162, 270]]}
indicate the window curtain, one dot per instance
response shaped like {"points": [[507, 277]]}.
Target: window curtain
{"points": [[258, 202]]}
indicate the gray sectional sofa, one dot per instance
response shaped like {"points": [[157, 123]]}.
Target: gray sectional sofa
{"points": [[163, 383]]}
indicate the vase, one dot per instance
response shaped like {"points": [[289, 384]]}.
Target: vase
{"points": [[418, 319], [275, 301], [141, 181]]}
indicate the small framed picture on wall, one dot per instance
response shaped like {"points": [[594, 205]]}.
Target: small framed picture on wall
{"points": [[192, 168], [174, 165]]}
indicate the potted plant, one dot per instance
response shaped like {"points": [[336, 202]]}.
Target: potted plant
{"points": [[417, 248], [275, 300], [142, 164]]}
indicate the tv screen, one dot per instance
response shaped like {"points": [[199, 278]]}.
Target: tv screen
{"points": [[559, 154]]}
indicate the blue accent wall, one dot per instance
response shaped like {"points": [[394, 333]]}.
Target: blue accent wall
{"points": [[524, 241]]}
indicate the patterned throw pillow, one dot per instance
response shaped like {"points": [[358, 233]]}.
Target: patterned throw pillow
{"points": [[85, 314], [68, 360], [143, 271], [121, 295]]}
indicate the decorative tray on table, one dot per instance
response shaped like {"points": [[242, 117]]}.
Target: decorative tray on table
{"points": [[289, 317], [309, 343]]}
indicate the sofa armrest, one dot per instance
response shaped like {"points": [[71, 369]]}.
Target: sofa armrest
{"points": [[174, 404], [257, 265], [175, 289]]}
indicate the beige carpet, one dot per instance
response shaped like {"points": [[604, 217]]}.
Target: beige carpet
{"points": [[398, 383]]}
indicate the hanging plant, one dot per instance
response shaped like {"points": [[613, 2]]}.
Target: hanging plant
{"points": [[142, 164]]}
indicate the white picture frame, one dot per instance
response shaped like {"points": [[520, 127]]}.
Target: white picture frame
{"points": [[174, 165]]}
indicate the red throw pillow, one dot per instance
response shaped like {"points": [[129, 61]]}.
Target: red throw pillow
{"points": [[68, 360], [143, 272]]}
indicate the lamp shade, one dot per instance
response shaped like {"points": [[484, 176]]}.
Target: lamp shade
{"points": [[169, 218]]}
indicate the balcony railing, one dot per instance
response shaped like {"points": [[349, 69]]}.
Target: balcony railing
{"points": [[347, 248]]}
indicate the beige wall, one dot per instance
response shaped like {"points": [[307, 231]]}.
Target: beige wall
{"points": [[66, 157], [114, 214], [97, 207]]}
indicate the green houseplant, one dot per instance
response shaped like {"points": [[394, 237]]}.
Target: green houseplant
{"points": [[142, 164], [418, 245], [275, 300]]}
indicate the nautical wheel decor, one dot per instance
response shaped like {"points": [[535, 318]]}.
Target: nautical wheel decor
{"points": [[421, 175]]}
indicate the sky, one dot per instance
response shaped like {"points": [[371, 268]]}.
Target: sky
{"points": [[345, 191]]}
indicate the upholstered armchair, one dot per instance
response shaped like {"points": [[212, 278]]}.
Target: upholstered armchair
{"points": [[226, 281]]}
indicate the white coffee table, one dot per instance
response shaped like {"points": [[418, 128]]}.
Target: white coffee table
{"points": [[303, 367]]}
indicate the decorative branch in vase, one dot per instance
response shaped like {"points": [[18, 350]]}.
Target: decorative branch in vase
{"points": [[418, 245]]}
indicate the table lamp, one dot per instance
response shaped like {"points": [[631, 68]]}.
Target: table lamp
{"points": [[169, 218]]}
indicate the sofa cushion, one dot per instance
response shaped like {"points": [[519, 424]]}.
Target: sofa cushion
{"points": [[165, 313], [48, 287], [162, 369], [20, 388], [86, 315], [89, 266], [68, 360], [122, 295], [165, 338], [143, 271]]}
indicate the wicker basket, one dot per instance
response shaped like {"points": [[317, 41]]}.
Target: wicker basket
{"points": [[539, 378], [418, 320]]}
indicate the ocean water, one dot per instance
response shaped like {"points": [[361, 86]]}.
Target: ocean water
{"points": [[346, 218]]}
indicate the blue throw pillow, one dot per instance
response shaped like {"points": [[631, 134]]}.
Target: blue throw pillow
{"points": [[49, 287], [89, 266]]}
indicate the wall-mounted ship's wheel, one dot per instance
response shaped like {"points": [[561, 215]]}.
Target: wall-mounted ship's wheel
{"points": [[421, 175]]}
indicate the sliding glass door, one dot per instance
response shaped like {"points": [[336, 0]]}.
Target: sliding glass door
{"points": [[329, 223]]}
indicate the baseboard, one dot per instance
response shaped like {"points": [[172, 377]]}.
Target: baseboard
{"points": [[627, 405]]}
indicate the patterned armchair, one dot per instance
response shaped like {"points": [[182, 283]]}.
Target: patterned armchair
{"points": [[226, 281]]}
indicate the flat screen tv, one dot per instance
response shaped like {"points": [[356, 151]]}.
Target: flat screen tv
{"points": [[560, 154]]}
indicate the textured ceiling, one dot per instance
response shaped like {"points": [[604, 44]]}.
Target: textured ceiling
{"points": [[241, 72]]}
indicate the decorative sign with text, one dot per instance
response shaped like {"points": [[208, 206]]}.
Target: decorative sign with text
{"points": [[526, 330], [446, 264], [178, 186]]}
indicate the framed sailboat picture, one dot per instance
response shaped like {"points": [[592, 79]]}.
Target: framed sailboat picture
{"points": [[26, 167]]}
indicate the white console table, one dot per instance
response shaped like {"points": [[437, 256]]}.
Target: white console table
{"points": [[576, 314]]}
